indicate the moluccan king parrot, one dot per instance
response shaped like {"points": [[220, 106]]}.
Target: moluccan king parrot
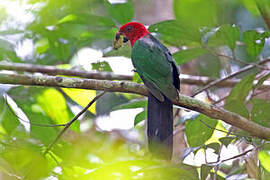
{"points": [[159, 72]]}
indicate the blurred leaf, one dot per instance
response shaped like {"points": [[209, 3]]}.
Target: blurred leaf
{"points": [[132, 104], [82, 97], [136, 78], [101, 66], [198, 13], [214, 146], [184, 56], [260, 112], [7, 51], [140, 117], [226, 140], [42, 46], [205, 171], [8, 119], [121, 12], [197, 133], [26, 100], [177, 33], [261, 80], [251, 7], [254, 42], [264, 158], [54, 105], [68, 18], [226, 35], [125, 51], [235, 102], [24, 162]]}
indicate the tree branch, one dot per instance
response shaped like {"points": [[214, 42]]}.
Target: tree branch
{"points": [[52, 70], [130, 87], [185, 79]]}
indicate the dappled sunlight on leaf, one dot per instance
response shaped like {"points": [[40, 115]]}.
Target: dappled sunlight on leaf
{"points": [[82, 97]]}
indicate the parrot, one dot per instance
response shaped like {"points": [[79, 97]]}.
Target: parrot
{"points": [[160, 74]]}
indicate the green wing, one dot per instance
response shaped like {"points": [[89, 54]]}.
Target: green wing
{"points": [[155, 65]]}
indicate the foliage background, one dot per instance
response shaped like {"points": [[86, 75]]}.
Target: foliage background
{"points": [[207, 38]]}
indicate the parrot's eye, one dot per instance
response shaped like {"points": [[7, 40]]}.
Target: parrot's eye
{"points": [[129, 28]]}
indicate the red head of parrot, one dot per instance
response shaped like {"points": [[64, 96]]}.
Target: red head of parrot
{"points": [[132, 31]]}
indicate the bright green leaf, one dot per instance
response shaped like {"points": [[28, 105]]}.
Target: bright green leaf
{"points": [[140, 117], [254, 42], [82, 97], [264, 158], [197, 133], [198, 13], [68, 18], [42, 46], [176, 33], [184, 56], [54, 105], [226, 35], [122, 12], [101, 66]]}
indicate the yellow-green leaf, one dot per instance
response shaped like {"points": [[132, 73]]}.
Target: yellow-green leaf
{"points": [[82, 97]]}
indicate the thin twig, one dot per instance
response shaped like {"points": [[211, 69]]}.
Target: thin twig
{"points": [[217, 81], [71, 121]]}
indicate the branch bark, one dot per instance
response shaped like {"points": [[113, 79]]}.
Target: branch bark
{"points": [[185, 79], [130, 87]]}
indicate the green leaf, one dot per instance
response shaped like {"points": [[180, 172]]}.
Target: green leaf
{"points": [[8, 119], [42, 46], [54, 105], [261, 80], [132, 104], [82, 97], [251, 7], [205, 171], [67, 18], [197, 133], [254, 42], [214, 146], [226, 140], [140, 117], [26, 100], [101, 66], [241, 90], [264, 158], [184, 56], [176, 33], [121, 12], [198, 13], [260, 112], [226, 35], [235, 102], [237, 107]]}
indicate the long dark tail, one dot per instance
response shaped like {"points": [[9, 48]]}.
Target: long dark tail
{"points": [[160, 127]]}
